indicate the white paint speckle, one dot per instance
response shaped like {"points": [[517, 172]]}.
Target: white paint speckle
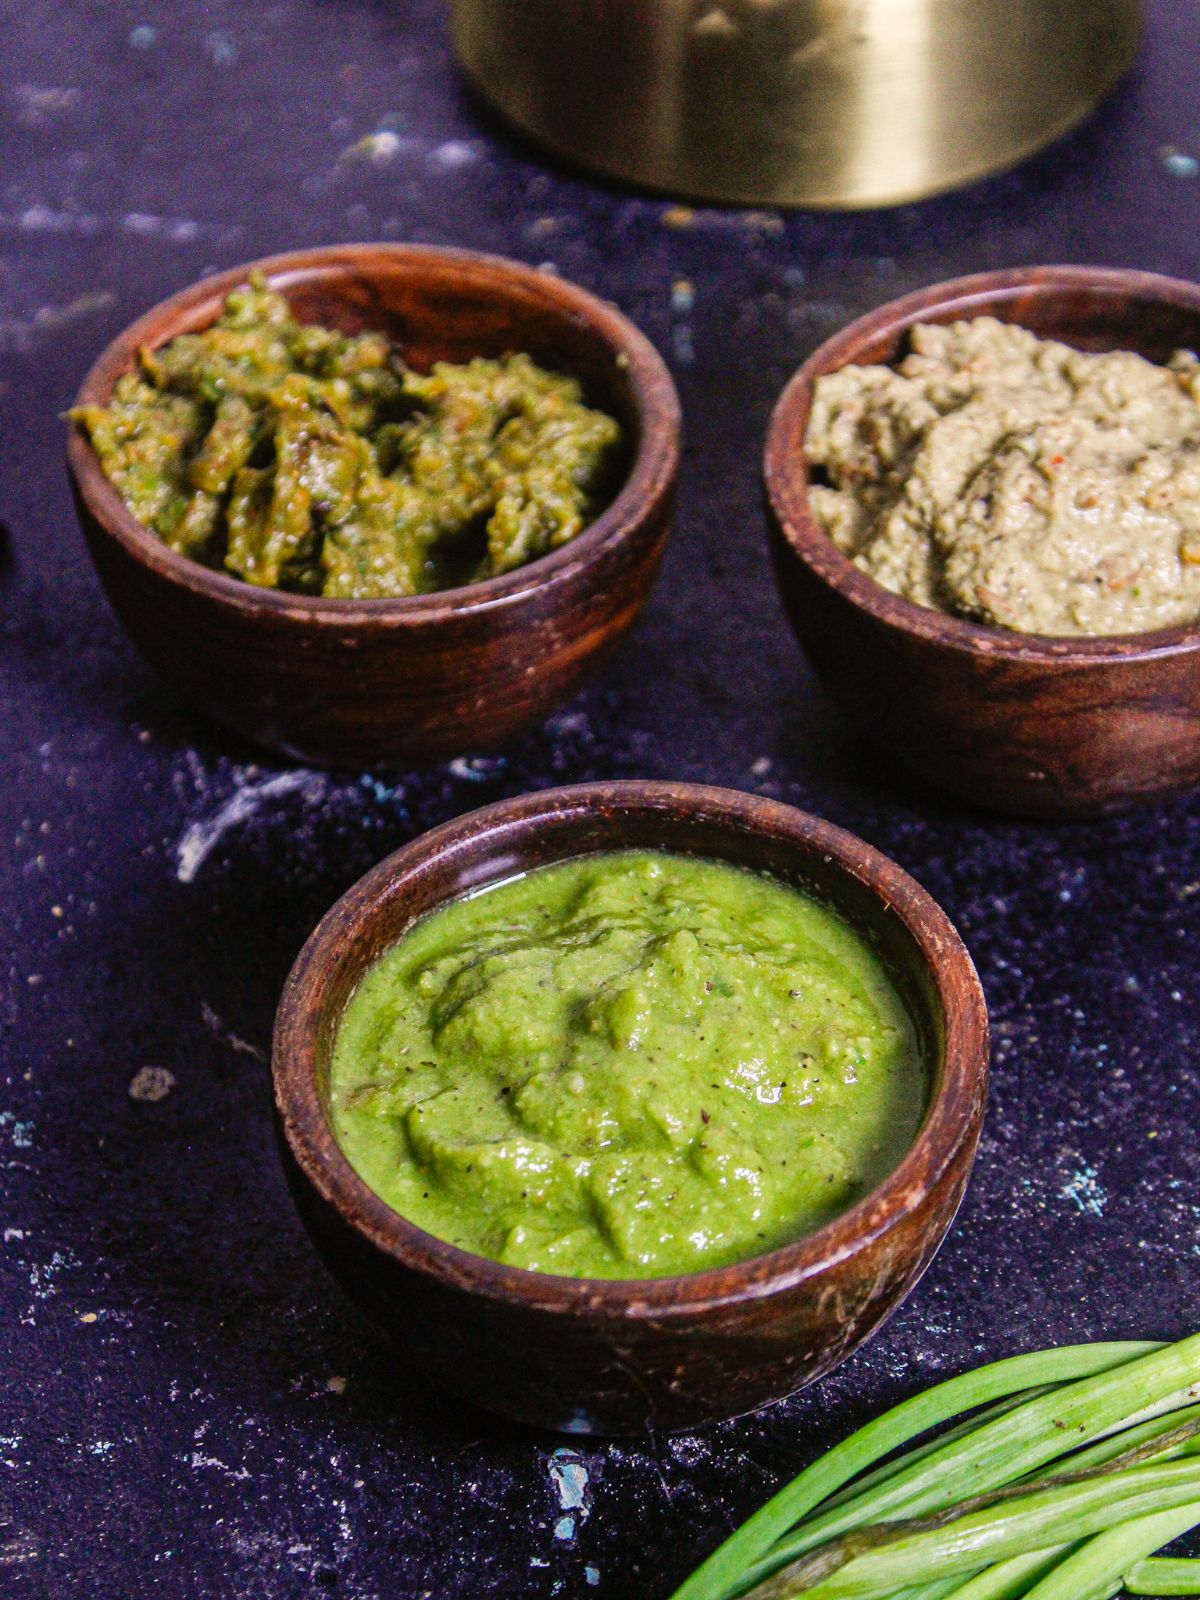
{"points": [[43, 219], [578, 1422], [21, 1133], [200, 838], [385, 145], [150, 1084], [687, 1450], [379, 148], [235, 1042], [383, 793], [199, 1462], [43, 1276], [570, 1478], [683, 296], [471, 769], [454, 153], [39, 105], [1177, 162], [1086, 1192], [85, 224], [683, 346], [18, 1548], [220, 48]]}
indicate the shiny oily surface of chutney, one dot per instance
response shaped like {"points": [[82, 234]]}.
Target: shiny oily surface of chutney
{"points": [[295, 457], [627, 1065]]}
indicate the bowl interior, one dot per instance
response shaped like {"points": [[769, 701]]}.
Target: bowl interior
{"points": [[436, 314], [1091, 309], [436, 305], [916, 944], [433, 882]]}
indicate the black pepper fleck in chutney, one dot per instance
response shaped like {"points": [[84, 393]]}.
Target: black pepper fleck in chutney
{"points": [[299, 458]]}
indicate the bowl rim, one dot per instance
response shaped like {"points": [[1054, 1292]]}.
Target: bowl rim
{"points": [[786, 478], [953, 1111], [650, 478]]}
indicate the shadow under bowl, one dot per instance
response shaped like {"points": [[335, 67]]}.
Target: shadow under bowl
{"points": [[1018, 723], [619, 1357], [412, 680]]}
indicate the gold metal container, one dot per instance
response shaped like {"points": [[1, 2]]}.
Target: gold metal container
{"points": [[842, 103]]}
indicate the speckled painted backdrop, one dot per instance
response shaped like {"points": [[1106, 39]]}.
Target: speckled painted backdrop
{"points": [[185, 1406]]}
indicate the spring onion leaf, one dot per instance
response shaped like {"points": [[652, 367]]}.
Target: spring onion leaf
{"points": [[1095, 1571], [872, 1563], [1164, 1577], [1011, 1446], [729, 1570]]}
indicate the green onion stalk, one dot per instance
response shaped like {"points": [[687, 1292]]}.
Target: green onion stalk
{"points": [[1056, 1476]]}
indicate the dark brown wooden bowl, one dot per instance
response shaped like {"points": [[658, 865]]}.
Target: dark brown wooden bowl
{"points": [[1019, 723], [598, 1356], [411, 680]]}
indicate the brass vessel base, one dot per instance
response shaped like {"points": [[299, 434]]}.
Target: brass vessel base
{"points": [[838, 103]]}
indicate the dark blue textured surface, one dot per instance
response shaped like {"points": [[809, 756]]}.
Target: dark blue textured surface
{"points": [[185, 1407]]}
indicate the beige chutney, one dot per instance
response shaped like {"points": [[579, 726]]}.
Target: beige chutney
{"points": [[1016, 481]]}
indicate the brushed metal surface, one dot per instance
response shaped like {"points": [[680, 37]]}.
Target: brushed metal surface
{"points": [[843, 103]]}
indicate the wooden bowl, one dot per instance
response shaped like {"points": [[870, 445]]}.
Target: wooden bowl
{"points": [[1039, 727], [600, 1356], [420, 679]]}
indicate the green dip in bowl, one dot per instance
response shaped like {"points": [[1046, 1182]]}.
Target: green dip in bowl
{"points": [[632, 1064]]}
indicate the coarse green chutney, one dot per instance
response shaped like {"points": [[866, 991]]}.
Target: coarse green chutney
{"points": [[297, 457], [626, 1065]]}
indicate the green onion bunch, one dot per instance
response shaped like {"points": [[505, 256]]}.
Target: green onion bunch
{"points": [[1051, 1476]]}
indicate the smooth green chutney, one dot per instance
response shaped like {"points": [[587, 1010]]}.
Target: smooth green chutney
{"points": [[297, 457], [627, 1065]]}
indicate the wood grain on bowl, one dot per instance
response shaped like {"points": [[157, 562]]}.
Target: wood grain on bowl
{"points": [[421, 678], [606, 1356], [1033, 726]]}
